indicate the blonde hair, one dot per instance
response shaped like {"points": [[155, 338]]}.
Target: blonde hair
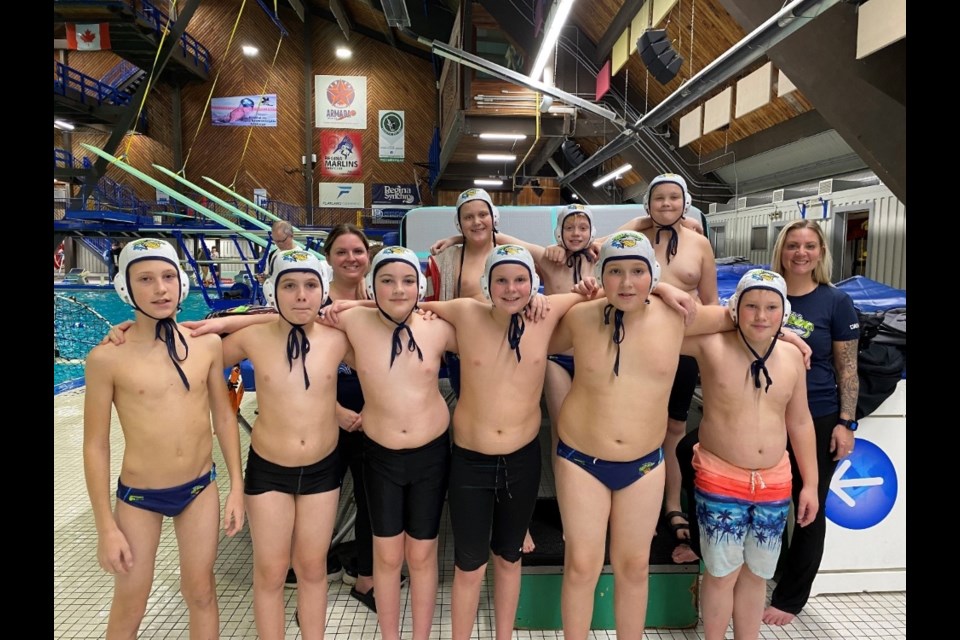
{"points": [[821, 273]]}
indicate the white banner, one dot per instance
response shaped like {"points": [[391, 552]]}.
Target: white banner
{"points": [[341, 195], [341, 101], [391, 136]]}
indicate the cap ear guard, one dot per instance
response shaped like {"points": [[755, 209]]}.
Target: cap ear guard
{"points": [[297, 260], [760, 279], [476, 194], [671, 178], [566, 212], [628, 245], [509, 254], [147, 249], [396, 254]]}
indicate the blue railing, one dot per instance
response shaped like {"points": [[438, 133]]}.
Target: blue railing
{"points": [[189, 46], [91, 90], [120, 74]]}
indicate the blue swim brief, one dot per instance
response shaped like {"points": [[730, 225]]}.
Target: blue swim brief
{"points": [[613, 475], [169, 502], [564, 361]]}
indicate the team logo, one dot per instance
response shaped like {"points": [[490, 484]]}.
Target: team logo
{"points": [[625, 240], [340, 93], [344, 147], [762, 275], [295, 256], [147, 245], [509, 250], [391, 123], [394, 251]]}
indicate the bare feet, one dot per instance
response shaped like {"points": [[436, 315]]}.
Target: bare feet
{"points": [[528, 545], [774, 616], [683, 553]]}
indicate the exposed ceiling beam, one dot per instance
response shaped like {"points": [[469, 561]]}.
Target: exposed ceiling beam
{"points": [[343, 18], [547, 148], [386, 31], [755, 44], [379, 36], [803, 126], [615, 30]]}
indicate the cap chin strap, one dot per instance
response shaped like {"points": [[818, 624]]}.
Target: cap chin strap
{"points": [[575, 261], [760, 364], [298, 346], [397, 341], [618, 332], [515, 332], [672, 243], [166, 330]]}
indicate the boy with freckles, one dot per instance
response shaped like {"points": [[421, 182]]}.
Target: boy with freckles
{"points": [[754, 399]]}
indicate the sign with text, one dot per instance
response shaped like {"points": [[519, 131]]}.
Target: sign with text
{"points": [[391, 136], [392, 201], [341, 101], [341, 195], [341, 154], [244, 111]]}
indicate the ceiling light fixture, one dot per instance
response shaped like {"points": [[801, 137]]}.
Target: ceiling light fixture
{"points": [[502, 136], [496, 157], [250, 51], [63, 124], [616, 173], [343, 53], [558, 17], [481, 182]]}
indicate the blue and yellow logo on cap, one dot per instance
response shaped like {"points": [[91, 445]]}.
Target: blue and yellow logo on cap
{"points": [[296, 256], [509, 250], [394, 251], [625, 240], [761, 275], [147, 244]]}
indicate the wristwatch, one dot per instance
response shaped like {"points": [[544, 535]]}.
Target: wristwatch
{"points": [[849, 424]]}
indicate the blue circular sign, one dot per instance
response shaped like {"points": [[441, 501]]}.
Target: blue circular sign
{"points": [[863, 489]]}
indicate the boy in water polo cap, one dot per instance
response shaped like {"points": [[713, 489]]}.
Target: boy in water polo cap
{"points": [[612, 426], [165, 385], [406, 448], [292, 482], [755, 397]]}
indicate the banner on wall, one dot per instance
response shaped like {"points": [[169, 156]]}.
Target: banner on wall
{"points": [[341, 153], [341, 101], [244, 111], [392, 201], [341, 195], [391, 136]]}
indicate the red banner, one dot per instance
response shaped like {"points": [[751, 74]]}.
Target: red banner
{"points": [[88, 37], [341, 153]]}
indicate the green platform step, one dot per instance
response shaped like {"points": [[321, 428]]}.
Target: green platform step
{"points": [[673, 597]]}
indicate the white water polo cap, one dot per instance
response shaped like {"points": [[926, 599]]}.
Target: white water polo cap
{"points": [[477, 194], [760, 279], [396, 254], [296, 260], [670, 178], [147, 249], [628, 245], [509, 254], [566, 212]]}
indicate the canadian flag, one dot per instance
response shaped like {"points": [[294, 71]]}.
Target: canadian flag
{"points": [[88, 37]]}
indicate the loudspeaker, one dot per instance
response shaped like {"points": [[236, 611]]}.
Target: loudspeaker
{"points": [[658, 55], [572, 152]]}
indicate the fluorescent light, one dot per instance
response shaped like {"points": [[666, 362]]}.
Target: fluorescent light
{"points": [[616, 173], [496, 157], [502, 136], [249, 50], [559, 17], [488, 183], [343, 53], [574, 196], [63, 124]]}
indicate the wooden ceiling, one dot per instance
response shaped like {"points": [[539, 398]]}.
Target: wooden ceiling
{"points": [[699, 30]]}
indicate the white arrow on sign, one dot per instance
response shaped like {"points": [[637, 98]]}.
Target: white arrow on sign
{"points": [[838, 484]]}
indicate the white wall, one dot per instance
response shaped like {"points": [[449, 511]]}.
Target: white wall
{"points": [[886, 236]]}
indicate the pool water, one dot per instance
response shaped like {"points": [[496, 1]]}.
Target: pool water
{"points": [[107, 303]]}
